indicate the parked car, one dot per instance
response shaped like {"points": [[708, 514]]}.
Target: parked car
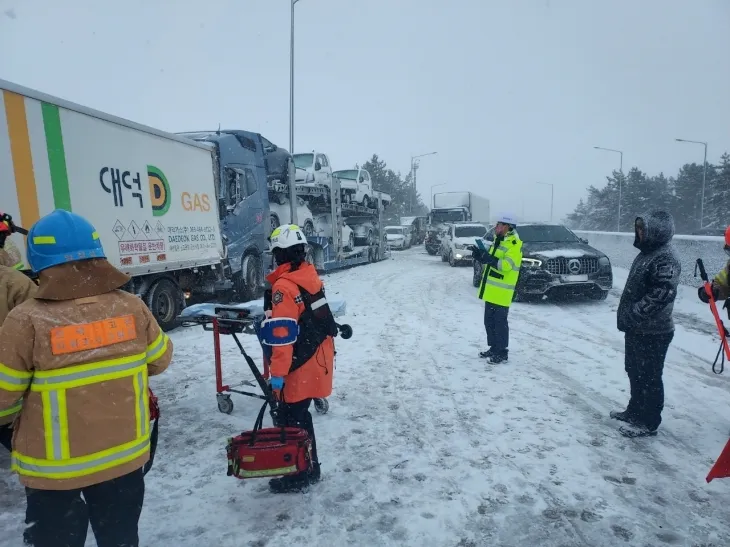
{"points": [[555, 261], [418, 228], [458, 238], [397, 237]]}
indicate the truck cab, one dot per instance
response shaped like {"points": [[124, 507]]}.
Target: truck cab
{"points": [[243, 204]]}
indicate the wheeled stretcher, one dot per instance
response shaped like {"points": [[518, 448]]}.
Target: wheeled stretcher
{"points": [[235, 319]]}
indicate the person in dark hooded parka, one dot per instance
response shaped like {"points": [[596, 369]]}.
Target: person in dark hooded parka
{"points": [[645, 316]]}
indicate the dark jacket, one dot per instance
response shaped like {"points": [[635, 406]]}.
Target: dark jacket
{"points": [[647, 302]]}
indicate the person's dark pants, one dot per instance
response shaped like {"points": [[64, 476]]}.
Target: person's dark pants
{"points": [[298, 415], [644, 363], [6, 436], [60, 518], [495, 321]]}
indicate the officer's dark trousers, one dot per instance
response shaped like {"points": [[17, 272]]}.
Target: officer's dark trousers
{"points": [[495, 321], [6, 436], [644, 363], [60, 518], [298, 415]]}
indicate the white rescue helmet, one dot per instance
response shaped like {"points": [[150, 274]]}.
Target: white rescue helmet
{"points": [[507, 218], [286, 236]]}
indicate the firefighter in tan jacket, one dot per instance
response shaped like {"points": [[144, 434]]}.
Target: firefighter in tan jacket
{"points": [[74, 362], [15, 288], [9, 253]]}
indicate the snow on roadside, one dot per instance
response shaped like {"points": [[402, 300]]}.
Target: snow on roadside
{"points": [[427, 445]]}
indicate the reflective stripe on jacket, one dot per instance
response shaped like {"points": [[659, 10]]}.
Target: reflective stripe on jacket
{"points": [[720, 282], [81, 368], [498, 284]]}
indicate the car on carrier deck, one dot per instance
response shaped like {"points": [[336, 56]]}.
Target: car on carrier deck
{"points": [[556, 262]]}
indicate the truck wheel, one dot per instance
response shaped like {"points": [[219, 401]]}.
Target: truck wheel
{"points": [[321, 405], [165, 301], [248, 280], [308, 228]]}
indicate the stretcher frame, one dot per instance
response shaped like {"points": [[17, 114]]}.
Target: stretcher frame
{"points": [[235, 320]]}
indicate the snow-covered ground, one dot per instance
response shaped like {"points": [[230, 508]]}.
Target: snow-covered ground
{"points": [[427, 445]]}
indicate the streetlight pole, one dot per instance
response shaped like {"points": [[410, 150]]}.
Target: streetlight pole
{"points": [[414, 166], [432, 187], [291, 81], [704, 178], [621, 170], [552, 188]]}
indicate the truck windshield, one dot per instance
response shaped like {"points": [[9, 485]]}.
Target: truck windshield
{"points": [[398, 231], [447, 216], [349, 174], [303, 161], [534, 234], [470, 231]]}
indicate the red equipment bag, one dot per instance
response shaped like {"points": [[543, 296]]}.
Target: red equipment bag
{"points": [[270, 452]]}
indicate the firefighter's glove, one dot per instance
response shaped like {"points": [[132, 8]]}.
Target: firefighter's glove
{"points": [[277, 383], [702, 293]]}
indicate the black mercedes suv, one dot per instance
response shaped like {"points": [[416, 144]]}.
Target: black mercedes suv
{"points": [[556, 262]]}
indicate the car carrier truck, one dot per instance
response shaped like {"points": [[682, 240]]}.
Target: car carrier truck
{"points": [[450, 207], [185, 215]]}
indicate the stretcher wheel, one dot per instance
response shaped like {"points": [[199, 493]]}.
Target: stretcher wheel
{"points": [[225, 405], [321, 405]]}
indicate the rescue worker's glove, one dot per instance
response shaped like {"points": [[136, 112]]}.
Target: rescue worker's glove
{"points": [[702, 294], [277, 383]]}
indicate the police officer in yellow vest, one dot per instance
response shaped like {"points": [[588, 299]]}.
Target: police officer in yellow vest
{"points": [[502, 261]]}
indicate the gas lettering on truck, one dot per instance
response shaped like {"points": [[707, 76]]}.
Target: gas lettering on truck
{"points": [[195, 202]]}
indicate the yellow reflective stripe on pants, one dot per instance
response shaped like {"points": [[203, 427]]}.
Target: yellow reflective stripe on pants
{"points": [[14, 380], [83, 465], [90, 373], [12, 409], [157, 348]]}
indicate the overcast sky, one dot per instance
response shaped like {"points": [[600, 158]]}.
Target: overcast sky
{"points": [[507, 92]]}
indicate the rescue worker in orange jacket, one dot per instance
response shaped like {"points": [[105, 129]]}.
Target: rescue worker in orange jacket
{"points": [[15, 288], [301, 331], [74, 365], [721, 282]]}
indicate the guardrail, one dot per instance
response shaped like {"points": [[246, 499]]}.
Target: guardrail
{"points": [[619, 247]]}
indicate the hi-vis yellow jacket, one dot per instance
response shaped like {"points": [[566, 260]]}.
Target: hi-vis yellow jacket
{"points": [[74, 373], [499, 282]]}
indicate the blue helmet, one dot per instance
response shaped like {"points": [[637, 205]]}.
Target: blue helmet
{"points": [[62, 237]]}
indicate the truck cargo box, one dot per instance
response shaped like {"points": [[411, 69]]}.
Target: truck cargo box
{"points": [[150, 195]]}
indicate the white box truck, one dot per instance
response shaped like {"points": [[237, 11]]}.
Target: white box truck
{"points": [[449, 207], [151, 195]]}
